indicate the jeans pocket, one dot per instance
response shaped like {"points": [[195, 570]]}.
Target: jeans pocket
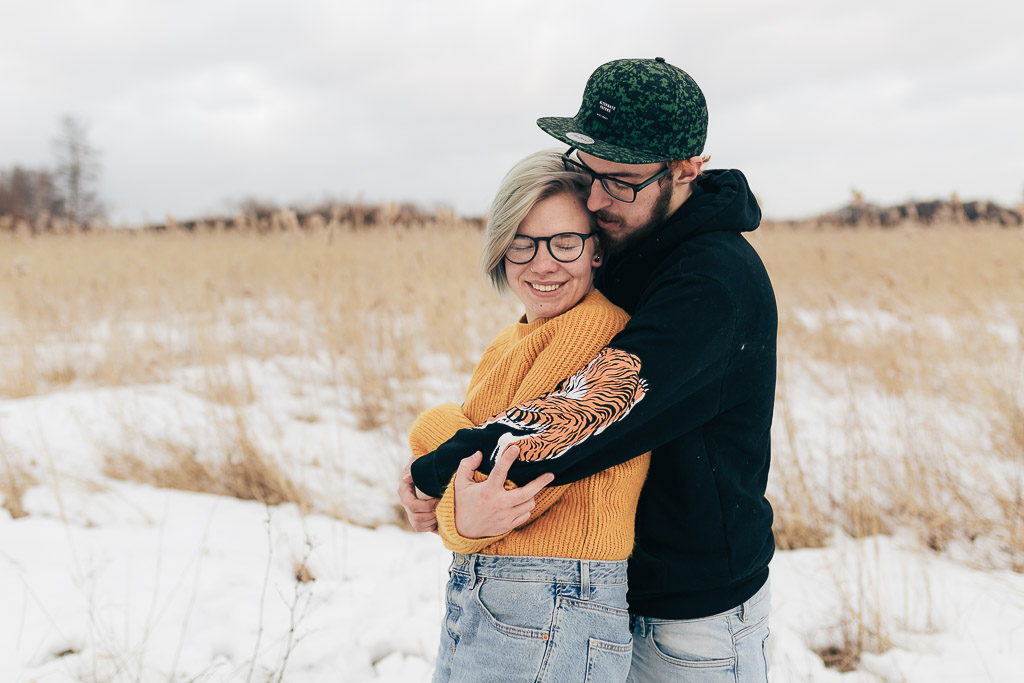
{"points": [[607, 661], [758, 627], [701, 644], [585, 618], [521, 609]]}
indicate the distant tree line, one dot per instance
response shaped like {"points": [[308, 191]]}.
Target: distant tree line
{"points": [[66, 192], [261, 216], [936, 212]]}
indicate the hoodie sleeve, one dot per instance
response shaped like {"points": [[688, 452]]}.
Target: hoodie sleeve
{"points": [[622, 404]]}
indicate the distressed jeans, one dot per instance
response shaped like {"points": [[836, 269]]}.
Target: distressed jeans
{"points": [[728, 647], [513, 618]]}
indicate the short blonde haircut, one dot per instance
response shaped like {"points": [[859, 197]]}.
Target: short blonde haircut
{"points": [[537, 177]]}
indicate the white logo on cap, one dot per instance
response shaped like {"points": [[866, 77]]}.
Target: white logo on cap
{"points": [[580, 138]]}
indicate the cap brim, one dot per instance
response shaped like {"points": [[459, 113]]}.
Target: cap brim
{"points": [[568, 131]]}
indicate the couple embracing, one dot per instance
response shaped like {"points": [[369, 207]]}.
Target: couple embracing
{"points": [[602, 485]]}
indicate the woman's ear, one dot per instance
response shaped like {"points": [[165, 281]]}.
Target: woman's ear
{"points": [[596, 259]]}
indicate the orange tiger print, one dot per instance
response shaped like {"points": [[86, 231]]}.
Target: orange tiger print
{"points": [[582, 405]]}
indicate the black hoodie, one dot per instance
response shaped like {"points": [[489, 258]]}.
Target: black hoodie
{"points": [[702, 334]]}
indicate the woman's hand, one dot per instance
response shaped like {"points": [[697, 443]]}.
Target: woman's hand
{"points": [[419, 507], [484, 509]]}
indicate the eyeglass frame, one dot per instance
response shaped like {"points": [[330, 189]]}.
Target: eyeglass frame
{"points": [[571, 164], [547, 243]]}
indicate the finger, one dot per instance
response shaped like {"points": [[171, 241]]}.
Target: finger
{"points": [[522, 508], [427, 505], [423, 522], [500, 471], [416, 505], [464, 475], [532, 489], [406, 493], [521, 519], [423, 519]]}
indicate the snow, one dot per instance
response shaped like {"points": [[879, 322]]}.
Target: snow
{"points": [[110, 580]]}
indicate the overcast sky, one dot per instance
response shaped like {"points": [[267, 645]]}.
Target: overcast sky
{"points": [[199, 104]]}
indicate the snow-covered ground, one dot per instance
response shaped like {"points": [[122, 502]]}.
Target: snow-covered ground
{"points": [[111, 580]]}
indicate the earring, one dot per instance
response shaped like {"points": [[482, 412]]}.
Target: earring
{"points": [[597, 259]]}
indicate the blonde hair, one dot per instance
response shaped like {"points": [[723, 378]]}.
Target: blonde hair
{"points": [[537, 177]]}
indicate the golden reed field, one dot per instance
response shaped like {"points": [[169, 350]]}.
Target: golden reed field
{"points": [[901, 351]]}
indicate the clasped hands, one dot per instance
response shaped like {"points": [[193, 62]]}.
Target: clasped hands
{"points": [[482, 509]]}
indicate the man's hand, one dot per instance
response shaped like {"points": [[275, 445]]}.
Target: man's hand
{"points": [[419, 507], [485, 508]]}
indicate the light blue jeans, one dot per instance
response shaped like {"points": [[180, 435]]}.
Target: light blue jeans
{"points": [[534, 619], [728, 647]]}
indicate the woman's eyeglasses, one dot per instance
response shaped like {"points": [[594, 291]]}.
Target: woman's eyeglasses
{"points": [[565, 247]]}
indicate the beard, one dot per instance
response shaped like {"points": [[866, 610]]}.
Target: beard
{"points": [[629, 235]]}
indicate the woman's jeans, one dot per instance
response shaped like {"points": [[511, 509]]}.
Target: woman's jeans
{"points": [[730, 646], [534, 619]]}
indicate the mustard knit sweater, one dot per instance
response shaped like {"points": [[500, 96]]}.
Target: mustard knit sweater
{"points": [[590, 519]]}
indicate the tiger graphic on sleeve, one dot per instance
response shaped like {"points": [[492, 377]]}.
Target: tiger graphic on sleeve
{"points": [[581, 406]]}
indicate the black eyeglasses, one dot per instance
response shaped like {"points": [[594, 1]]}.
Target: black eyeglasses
{"points": [[565, 247], [616, 189]]}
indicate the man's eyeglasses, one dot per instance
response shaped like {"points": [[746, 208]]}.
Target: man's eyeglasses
{"points": [[565, 247], [616, 189]]}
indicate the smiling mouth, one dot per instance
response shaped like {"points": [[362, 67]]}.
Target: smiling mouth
{"points": [[545, 288]]}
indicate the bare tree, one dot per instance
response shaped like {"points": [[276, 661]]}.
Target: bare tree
{"points": [[78, 171], [29, 193]]}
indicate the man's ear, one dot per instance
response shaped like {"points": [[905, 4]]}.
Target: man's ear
{"points": [[685, 172]]}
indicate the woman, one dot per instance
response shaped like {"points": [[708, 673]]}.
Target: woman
{"points": [[547, 599]]}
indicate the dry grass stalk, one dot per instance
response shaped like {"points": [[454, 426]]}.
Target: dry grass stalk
{"points": [[15, 479], [863, 618], [243, 471], [799, 520]]}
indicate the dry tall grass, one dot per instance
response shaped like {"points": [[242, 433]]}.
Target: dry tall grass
{"points": [[927, 326], [115, 308], [924, 326], [370, 314]]}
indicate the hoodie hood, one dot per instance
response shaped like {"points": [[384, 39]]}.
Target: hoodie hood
{"points": [[720, 201]]}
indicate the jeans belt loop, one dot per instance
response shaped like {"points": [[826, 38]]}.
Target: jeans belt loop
{"points": [[471, 567], [584, 580]]}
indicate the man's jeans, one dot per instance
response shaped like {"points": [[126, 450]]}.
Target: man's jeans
{"points": [[731, 646], [534, 619]]}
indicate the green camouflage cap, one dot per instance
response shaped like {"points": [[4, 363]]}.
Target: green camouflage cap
{"points": [[636, 111]]}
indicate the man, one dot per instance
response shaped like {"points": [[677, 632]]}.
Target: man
{"points": [[702, 343]]}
